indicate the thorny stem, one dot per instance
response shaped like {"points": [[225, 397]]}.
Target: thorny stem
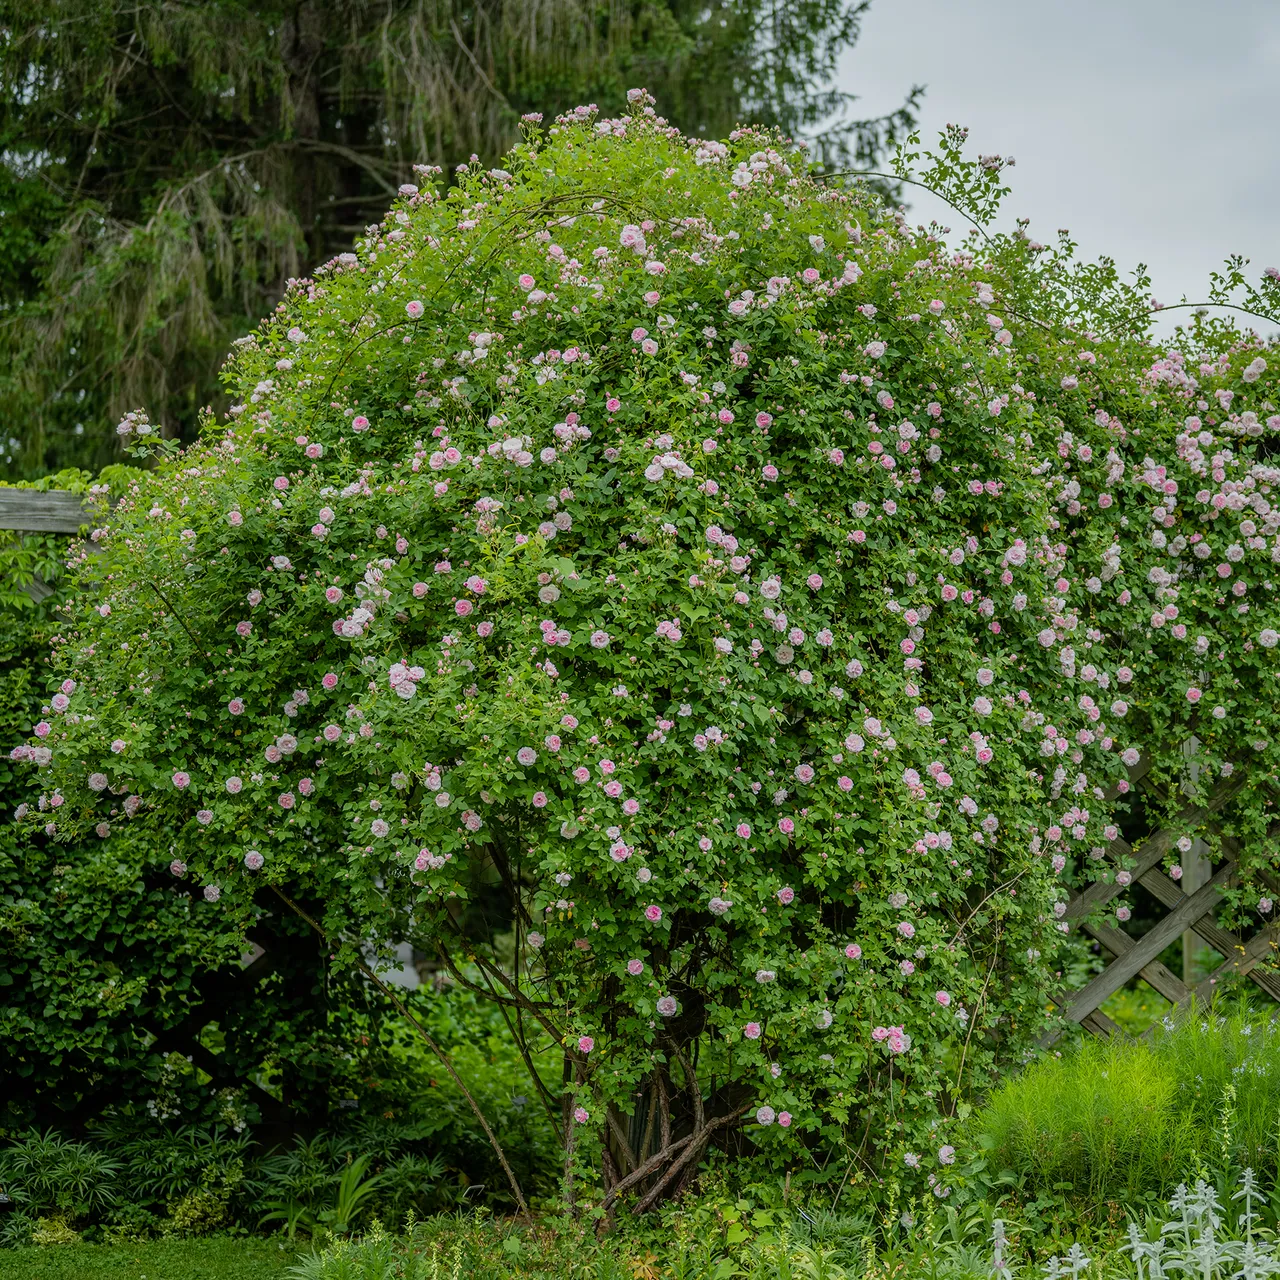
{"points": [[177, 615], [973, 1021]]}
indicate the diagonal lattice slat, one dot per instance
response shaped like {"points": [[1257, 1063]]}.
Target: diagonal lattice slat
{"points": [[1148, 947], [1139, 957]]}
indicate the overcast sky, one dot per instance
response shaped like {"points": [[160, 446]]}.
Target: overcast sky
{"points": [[1149, 128]]}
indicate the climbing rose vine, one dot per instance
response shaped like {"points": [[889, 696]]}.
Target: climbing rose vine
{"points": [[773, 601]]}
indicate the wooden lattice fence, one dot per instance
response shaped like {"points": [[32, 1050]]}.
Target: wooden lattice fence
{"points": [[1193, 910]]}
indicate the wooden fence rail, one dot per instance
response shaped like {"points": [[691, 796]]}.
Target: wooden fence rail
{"points": [[1195, 911], [38, 511]]}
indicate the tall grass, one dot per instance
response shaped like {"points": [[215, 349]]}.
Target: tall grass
{"points": [[1125, 1120]]}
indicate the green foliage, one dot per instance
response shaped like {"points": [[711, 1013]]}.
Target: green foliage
{"points": [[103, 967], [27, 559], [48, 1174], [401, 1143], [352, 1190], [167, 168], [1126, 1121]]}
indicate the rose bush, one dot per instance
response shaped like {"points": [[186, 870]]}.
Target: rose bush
{"points": [[768, 597]]}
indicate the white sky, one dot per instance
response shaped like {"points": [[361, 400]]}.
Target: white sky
{"points": [[1146, 127]]}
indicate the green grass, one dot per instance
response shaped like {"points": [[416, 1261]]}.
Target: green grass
{"points": [[1122, 1121], [216, 1258]]}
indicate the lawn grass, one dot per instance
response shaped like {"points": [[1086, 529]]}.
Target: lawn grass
{"points": [[217, 1258]]}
